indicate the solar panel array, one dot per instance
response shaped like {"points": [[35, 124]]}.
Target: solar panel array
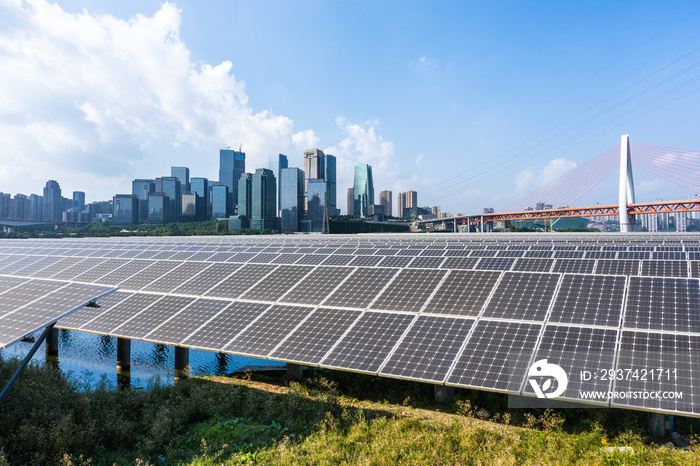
{"points": [[27, 304], [464, 310]]}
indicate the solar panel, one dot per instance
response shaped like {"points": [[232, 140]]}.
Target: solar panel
{"points": [[573, 266], [522, 296], [539, 253], [143, 278], [670, 304], [124, 272], [368, 343], [276, 284], [84, 315], [219, 330], [655, 268], [463, 293], [655, 363], [617, 267], [95, 273], [409, 290], [176, 277], [589, 300], [600, 255], [35, 266], [361, 288], [142, 324], [316, 335], [464, 263], [633, 255], [495, 263], [421, 356], [311, 259], [578, 349], [266, 333], [338, 260], [395, 261], [496, 356], [533, 265], [30, 315], [241, 280], [111, 317], [426, 262], [317, 285], [49, 271]]}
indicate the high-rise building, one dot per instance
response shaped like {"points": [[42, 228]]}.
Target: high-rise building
{"points": [[142, 189], [172, 189], [291, 198], [317, 196], [314, 166], [52, 201], [330, 177], [407, 200], [158, 207], [385, 200], [20, 207], [363, 190], [436, 211], [36, 210], [190, 206], [182, 174], [5, 207], [219, 201], [200, 187], [231, 165], [126, 209], [278, 163], [350, 201], [78, 204], [263, 206], [245, 195]]}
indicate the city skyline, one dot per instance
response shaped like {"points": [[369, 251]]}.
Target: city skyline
{"points": [[525, 91]]}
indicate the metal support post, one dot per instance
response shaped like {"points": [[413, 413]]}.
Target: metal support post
{"points": [[443, 393], [26, 360], [182, 362], [123, 355], [52, 344], [294, 371]]}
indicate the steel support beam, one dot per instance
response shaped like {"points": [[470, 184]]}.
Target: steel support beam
{"points": [[26, 360]]}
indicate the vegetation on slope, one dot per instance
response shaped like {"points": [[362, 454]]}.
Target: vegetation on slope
{"points": [[330, 418]]}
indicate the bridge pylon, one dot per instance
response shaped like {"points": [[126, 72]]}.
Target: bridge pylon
{"points": [[626, 185]]}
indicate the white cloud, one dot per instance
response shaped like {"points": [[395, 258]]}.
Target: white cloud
{"points": [[95, 101]]}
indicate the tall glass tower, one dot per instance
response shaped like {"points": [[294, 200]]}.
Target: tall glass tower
{"points": [[317, 196], [278, 163], [263, 214], [363, 190], [330, 184], [291, 198], [52, 201], [182, 174], [231, 166]]}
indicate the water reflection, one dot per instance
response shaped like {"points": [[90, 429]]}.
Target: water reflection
{"points": [[91, 359]]}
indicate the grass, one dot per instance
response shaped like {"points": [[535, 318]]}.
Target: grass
{"points": [[330, 418]]}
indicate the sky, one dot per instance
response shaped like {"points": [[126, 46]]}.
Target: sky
{"points": [[471, 104]]}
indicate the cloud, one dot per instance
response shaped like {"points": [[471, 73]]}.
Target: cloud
{"points": [[419, 159], [94, 101]]}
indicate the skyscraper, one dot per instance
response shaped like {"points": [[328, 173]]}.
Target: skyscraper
{"points": [[158, 208], [182, 174], [277, 164], [291, 198], [363, 190], [385, 200], [317, 196], [231, 165], [330, 177], [200, 187], [126, 209], [172, 189], [350, 201], [407, 200], [52, 201], [142, 189], [78, 204], [219, 201], [314, 166], [245, 195], [263, 206], [36, 210]]}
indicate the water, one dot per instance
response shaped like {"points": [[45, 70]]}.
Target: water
{"points": [[92, 359]]}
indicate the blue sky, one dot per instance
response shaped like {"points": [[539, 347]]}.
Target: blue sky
{"points": [[507, 94]]}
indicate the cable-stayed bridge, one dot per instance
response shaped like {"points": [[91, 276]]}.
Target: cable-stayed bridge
{"points": [[677, 166]]}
